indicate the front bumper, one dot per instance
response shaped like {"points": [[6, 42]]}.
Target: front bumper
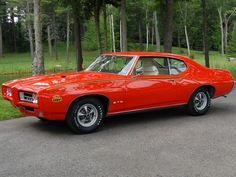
{"points": [[30, 109]]}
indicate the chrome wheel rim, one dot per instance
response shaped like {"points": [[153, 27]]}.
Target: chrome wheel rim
{"points": [[87, 115], [200, 101]]}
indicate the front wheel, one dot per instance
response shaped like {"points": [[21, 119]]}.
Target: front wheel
{"points": [[199, 102], [85, 115]]}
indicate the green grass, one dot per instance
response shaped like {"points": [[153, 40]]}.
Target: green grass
{"points": [[20, 65], [21, 62], [7, 111]]}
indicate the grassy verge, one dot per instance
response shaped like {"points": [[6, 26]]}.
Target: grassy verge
{"points": [[7, 111], [21, 63]]}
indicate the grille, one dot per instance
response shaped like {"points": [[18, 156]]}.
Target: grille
{"points": [[27, 96]]}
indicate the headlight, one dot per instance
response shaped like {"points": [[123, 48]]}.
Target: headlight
{"points": [[35, 99], [9, 92]]}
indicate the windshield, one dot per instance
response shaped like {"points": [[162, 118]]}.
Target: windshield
{"points": [[112, 64]]}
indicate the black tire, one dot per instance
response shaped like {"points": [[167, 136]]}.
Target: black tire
{"points": [[197, 110], [75, 123]]}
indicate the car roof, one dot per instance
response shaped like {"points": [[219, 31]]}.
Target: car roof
{"points": [[145, 54], [159, 54]]}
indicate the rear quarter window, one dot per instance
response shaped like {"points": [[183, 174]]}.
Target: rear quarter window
{"points": [[177, 66]]}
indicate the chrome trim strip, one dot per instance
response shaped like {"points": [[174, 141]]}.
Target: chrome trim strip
{"points": [[145, 109], [158, 77]]}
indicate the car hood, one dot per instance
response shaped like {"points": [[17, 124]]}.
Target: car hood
{"points": [[37, 83]]}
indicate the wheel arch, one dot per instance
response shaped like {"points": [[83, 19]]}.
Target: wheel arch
{"points": [[104, 100], [211, 89]]}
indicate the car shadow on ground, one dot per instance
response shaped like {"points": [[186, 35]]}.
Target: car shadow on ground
{"points": [[130, 120], [151, 116], [117, 121], [51, 127]]}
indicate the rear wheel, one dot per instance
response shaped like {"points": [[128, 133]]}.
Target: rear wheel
{"points": [[199, 102], [85, 115]]}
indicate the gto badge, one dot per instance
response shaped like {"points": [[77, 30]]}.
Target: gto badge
{"points": [[56, 98]]}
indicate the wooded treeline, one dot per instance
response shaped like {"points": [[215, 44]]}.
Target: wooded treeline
{"points": [[116, 25]]}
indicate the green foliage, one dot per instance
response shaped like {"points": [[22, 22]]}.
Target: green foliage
{"points": [[13, 8], [136, 10], [89, 39], [21, 38], [2, 10]]}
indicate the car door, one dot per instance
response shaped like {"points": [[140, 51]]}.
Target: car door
{"points": [[183, 84], [153, 88]]}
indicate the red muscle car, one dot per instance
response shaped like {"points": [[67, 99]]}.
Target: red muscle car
{"points": [[117, 83]]}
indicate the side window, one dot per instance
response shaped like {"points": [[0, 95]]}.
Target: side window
{"points": [[162, 65], [177, 66], [138, 68], [151, 66]]}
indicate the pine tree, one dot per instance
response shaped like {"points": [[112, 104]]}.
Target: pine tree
{"points": [[231, 52]]}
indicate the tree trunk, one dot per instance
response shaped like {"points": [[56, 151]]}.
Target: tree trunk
{"points": [[79, 55], [123, 25], [30, 31], [147, 38], [226, 34], [187, 40], [55, 36], [49, 40], [225, 31], [111, 40], [68, 36], [157, 35], [113, 34], [222, 31], [152, 40], [105, 28], [204, 31], [38, 59], [1, 46], [13, 29], [153, 29], [147, 31], [97, 23], [121, 38], [168, 23], [140, 35], [31, 40], [227, 19]]}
